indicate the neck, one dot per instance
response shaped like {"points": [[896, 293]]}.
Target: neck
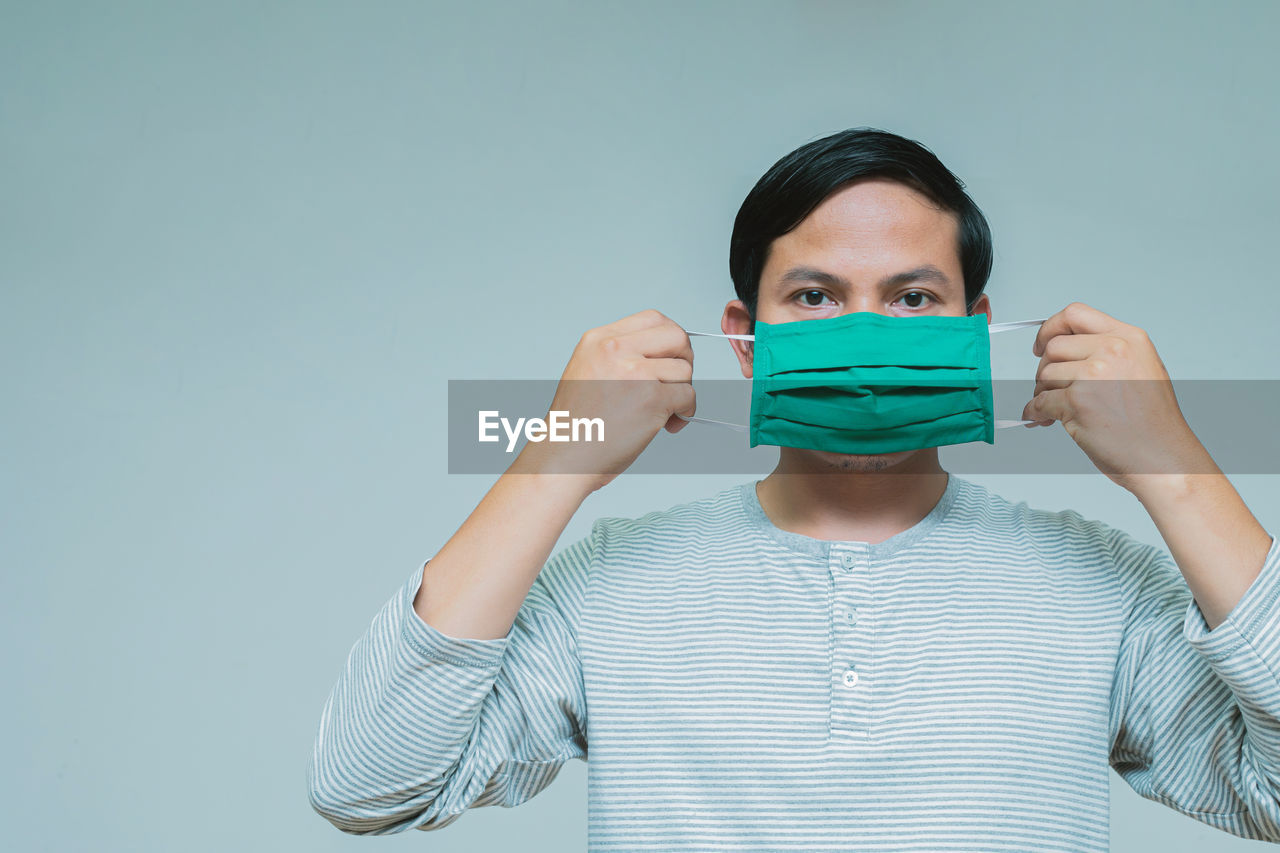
{"points": [[866, 499]]}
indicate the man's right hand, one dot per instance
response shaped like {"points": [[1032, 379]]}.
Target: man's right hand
{"points": [[637, 375]]}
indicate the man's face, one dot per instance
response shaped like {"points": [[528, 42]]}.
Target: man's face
{"points": [[876, 245]]}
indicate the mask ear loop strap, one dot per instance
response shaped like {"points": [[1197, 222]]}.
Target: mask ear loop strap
{"points": [[993, 328], [718, 335], [1017, 324], [1001, 423], [738, 427]]}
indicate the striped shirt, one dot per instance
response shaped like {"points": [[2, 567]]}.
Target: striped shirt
{"points": [[963, 685]]}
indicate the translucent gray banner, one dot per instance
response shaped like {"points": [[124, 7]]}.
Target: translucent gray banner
{"points": [[1236, 420]]}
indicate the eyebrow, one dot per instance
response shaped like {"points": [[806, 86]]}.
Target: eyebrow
{"points": [[928, 272]]}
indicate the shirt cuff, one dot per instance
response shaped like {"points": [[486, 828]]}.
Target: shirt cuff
{"points": [[1255, 620], [431, 643]]}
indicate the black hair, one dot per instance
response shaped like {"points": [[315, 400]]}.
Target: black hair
{"points": [[806, 177]]}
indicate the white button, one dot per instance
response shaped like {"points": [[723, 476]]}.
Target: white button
{"points": [[852, 616], [850, 677], [847, 561]]}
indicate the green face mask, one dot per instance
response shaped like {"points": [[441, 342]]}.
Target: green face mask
{"points": [[868, 383]]}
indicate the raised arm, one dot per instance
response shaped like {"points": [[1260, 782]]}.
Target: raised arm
{"points": [[467, 688], [1195, 712]]}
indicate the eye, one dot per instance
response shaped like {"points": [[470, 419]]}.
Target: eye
{"points": [[912, 298], [812, 298]]}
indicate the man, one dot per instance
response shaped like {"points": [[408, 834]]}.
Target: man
{"points": [[860, 651]]}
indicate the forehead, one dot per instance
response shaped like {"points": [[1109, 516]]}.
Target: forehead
{"points": [[872, 225]]}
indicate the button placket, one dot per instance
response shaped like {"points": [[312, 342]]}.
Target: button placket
{"points": [[850, 699]]}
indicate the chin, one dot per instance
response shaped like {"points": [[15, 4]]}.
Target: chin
{"points": [[859, 463]]}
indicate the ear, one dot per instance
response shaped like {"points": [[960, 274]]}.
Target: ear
{"points": [[982, 306], [736, 320]]}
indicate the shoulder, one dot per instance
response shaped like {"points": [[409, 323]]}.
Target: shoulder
{"points": [[701, 517], [668, 535], [1064, 528], [1070, 537]]}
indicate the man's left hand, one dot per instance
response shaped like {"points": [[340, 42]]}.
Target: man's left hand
{"points": [[1128, 427]]}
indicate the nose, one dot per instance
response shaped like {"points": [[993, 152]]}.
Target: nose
{"points": [[865, 302]]}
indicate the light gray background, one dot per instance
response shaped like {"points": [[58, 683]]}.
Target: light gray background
{"points": [[244, 245]]}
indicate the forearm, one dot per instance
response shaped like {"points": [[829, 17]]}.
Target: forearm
{"points": [[477, 582], [1213, 537]]}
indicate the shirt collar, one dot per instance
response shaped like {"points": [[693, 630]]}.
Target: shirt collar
{"points": [[822, 548]]}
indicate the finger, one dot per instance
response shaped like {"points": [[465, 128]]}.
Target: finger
{"points": [[680, 399], [1053, 375], [1076, 318], [1047, 406], [645, 319], [1073, 347], [664, 341], [670, 369]]}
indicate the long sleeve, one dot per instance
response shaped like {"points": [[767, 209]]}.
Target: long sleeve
{"points": [[1195, 713], [422, 726]]}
